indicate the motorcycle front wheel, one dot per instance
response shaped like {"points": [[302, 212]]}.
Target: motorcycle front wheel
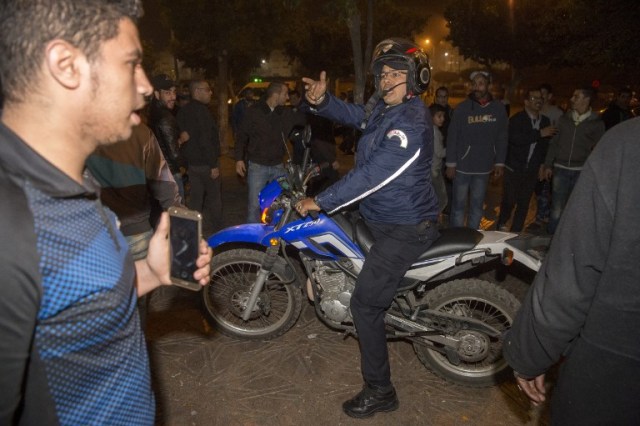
{"points": [[481, 362], [225, 298]]}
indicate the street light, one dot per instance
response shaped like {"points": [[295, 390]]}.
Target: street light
{"points": [[432, 54]]}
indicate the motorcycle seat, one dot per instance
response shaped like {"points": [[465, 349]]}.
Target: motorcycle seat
{"points": [[451, 241]]}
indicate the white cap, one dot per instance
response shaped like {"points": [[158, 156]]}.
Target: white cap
{"points": [[476, 73]]}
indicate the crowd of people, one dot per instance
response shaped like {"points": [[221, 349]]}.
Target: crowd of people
{"points": [[72, 347], [539, 151]]}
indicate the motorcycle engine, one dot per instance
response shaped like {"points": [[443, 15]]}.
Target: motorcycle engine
{"points": [[337, 288]]}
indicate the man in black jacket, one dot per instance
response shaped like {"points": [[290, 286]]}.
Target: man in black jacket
{"points": [[529, 133], [618, 110], [201, 152], [261, 140], [584, 303], [164, 124]]}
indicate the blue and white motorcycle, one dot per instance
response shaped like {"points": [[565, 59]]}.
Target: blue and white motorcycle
{"points": [[261, 270]]}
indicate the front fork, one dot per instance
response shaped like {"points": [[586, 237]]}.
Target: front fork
{"points": [[270, 258], [258, 284]]}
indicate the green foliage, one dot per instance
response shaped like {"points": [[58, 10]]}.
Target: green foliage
{"points": [[550, 32], [205, 29], [319, 36], [314, 32]]}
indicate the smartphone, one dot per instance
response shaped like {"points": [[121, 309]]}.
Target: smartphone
{"points": [[184, 237]]}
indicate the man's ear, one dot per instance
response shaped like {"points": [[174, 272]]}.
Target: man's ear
{"points": [[65, 63], [156, 94]]}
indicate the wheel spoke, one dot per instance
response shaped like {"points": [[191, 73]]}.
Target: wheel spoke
{"points": [[230, 289], [480, 355]]}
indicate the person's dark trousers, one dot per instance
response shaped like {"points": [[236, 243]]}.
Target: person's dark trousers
{"points": [[543, 200], [518, 185], [562, 185], [596, 387], [205, 197], [396, 247], [448, 184]]}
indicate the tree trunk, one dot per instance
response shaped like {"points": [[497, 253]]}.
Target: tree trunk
{"points": [[223, 96], [353, 22], [516, 78]]}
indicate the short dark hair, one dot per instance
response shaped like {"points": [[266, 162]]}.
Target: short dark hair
{"points": [[27, 26], [275, 87], [588, 92], [193, 85], [246, 92], [527, 93], [547, 87], [442, 88], [434, 108], [626, 90]]}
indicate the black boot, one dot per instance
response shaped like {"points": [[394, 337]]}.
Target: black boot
{"points": [[371, 400]]}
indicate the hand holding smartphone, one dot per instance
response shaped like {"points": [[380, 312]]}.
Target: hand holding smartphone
{"points": [[184, 237]]}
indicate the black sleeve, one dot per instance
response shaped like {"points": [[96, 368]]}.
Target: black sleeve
{"points": [[168, 132], [21, 294], [558, 302], [242, 137], [215, 141]]}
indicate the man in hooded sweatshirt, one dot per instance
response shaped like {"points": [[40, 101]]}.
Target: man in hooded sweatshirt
{"points": [[476, 146]]}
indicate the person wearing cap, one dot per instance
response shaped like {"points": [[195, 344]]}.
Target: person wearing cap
{"points": [[476, 147], [164, 124], [391, 181]]}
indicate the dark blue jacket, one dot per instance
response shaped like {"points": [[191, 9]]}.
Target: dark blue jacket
{"points": [[392, 175], [477, 137]]}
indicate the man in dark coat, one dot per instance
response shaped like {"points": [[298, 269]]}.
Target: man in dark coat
{"points": [[584, 303]]}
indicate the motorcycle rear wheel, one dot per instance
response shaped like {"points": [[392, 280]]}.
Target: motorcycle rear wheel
{"points": [[481, 362], [225, 298]]}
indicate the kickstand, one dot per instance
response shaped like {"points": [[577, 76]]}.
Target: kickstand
{"points": [[348, 333]]}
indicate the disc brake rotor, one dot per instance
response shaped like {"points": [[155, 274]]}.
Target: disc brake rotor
{"points": [[238, 304], [474, 346]]}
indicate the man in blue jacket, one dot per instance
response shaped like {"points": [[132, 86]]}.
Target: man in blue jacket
{"points": [[476, 146], [392, 182]]}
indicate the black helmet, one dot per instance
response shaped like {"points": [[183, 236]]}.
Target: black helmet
{"points": [[402, 54]]}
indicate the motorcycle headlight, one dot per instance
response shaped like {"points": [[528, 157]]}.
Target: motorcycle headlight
{"points": [[266, 216]]}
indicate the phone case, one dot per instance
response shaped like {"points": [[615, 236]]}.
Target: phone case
{"points": [[190, 215]]}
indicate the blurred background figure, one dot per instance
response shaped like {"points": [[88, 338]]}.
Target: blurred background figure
{"points": [[240, 108], [529, 134], [201, 153], [579, 129], [438, 114], [618, 110], [165, 126]]}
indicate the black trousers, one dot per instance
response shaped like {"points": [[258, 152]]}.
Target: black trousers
{"points": [[205, 197], [596, 387], [396, 247], [518, 186]]}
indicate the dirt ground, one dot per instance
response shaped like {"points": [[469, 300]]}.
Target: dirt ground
{"points": [[301, 378]]}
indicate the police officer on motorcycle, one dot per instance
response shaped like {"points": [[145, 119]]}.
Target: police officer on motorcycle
{"points": [[391, 181]]}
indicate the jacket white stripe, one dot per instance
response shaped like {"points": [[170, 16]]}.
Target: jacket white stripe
{"points": [[381, 184]]}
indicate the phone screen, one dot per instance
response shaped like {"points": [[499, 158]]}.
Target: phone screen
{"points": [[184, 247]]}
